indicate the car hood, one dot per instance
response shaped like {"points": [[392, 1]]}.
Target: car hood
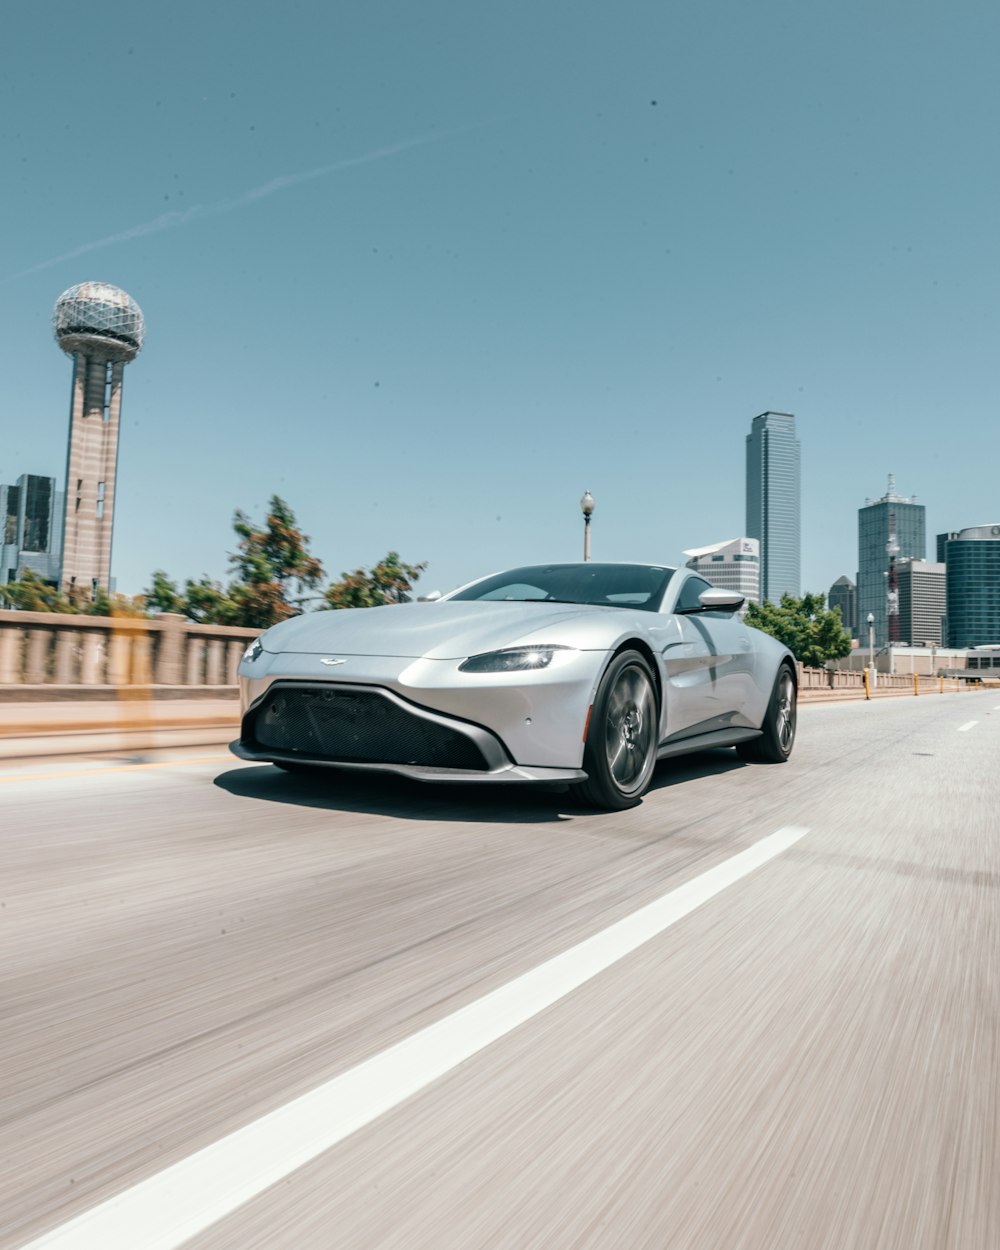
{"points": [[444, 630]]}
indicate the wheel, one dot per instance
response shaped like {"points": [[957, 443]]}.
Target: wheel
{"points": [[774, 746], [623, 735]]}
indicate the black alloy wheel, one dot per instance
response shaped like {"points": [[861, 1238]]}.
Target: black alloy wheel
{"points": [[774, 746], [623, 735]]}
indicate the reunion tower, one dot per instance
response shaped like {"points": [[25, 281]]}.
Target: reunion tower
{"points": [[102, 329]]}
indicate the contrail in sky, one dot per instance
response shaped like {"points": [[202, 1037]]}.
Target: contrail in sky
{"points": [[169, 221]]}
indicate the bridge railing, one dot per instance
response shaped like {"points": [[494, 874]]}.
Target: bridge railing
{"points": [[846, 679], [51, 648]]}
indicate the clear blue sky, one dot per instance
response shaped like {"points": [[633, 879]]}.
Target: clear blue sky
{"points": [[430, 270]]}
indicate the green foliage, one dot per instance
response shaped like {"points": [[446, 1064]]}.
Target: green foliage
{"points": [[271, 564], [30, 593], [207, 603], [163, 594], [389, 581], [812, 632]]}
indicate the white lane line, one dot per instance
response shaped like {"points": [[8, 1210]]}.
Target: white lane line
{"points": [[967, 726], [165, 1210]]}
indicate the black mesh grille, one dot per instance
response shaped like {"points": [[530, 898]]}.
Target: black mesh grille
{"points": [[356, 726]]}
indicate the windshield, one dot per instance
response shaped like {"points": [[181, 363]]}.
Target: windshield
{"points": [[603, 585]]}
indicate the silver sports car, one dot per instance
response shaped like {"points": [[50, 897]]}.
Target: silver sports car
{"points": [[575, 673]]}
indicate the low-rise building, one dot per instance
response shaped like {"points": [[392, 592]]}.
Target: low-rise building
{"points": [[731, 565]]}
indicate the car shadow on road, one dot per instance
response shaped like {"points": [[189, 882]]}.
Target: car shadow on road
{"points": [[384, 794], [710, 763]]}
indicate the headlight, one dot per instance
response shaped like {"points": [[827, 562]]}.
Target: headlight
{"points": [[252, 652], [514, 660]]}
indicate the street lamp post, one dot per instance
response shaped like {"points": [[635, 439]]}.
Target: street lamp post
{"points": [[871, 646], [587, 508]]}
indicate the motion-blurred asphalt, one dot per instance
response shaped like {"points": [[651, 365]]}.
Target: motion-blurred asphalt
{"points": [[810, 1059]]}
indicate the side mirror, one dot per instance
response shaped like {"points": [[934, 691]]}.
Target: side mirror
{"points": [[716, 600], [432, 597]]}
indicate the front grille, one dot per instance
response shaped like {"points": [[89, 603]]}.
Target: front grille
{"points": [[355, 726]]}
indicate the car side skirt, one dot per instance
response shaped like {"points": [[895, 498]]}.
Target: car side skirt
{"points": [[703, 742]]}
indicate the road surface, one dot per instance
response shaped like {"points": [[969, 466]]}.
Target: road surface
{"points": [[760, 1011]]}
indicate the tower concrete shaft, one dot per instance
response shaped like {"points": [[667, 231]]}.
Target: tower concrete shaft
{"points": [[91, 465]]}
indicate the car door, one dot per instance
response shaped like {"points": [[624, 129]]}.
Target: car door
{"points": [[707, 666]]}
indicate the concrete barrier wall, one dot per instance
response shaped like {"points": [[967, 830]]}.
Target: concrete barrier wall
{"points": [[49, 648]]}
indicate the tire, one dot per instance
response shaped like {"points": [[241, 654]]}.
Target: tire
{"points": [[774, 746], [622, 736]]}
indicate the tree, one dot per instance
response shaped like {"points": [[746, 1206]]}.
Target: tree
{"points": [[30, 593], [271, 563], [208, 603], [389, 581], [812, 632], [163, 594]]}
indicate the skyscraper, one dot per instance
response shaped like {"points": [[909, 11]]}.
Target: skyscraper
{"points": [[843, 594], [30, 521], [102, 329], [972, 576], [921, 602], [890, 518], [773, 499]]}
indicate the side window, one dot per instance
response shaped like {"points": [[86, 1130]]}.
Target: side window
{"points": [[688, 598]]}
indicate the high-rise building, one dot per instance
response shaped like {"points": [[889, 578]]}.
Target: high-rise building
{"points": [[921, 602], [972, 579], [102, 329], [843, 594], [773, 499], [732, 565], [889, 522], [942, 542], [30, 528]]}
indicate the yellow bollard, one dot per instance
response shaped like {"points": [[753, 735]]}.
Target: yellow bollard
{"points": [[868, 692], [916, 684]]}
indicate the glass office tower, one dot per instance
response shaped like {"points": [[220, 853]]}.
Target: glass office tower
{"points": [[972, 579], [30, 528], [774, 502], [876, 521], [843, 594]]}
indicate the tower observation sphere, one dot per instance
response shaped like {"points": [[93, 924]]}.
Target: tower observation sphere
{"points": [[102, 328], [98, 319]]}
